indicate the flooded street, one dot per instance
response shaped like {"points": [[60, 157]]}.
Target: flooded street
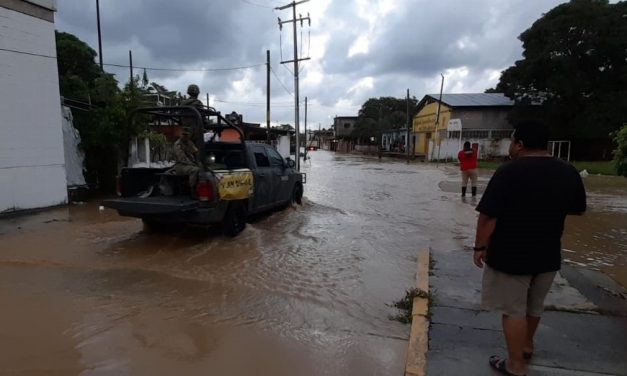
{"points": [[303, 291]]}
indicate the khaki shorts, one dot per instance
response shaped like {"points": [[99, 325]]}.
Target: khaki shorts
{"points": [[515, 295], [469, 174]]}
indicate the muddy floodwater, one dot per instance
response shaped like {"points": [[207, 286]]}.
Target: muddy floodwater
{"points": [[303, 291]]}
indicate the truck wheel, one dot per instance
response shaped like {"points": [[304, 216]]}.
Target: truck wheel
{"points": [[297, 194], [235, 219]]}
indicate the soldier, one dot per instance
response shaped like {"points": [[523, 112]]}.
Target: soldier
{"points": [[185, 155], [193, 91]]}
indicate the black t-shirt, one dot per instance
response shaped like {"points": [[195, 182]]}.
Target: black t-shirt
{"points": [[530, 198]]}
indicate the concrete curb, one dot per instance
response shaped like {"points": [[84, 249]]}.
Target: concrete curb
{"points": [[415, 364]]}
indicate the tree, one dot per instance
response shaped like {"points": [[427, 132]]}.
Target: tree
{"points": [[620, 154], [573, 73], [377, 114]]}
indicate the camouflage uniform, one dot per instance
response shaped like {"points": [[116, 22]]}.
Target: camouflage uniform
{"points": [[186, 163], [192, 91]]}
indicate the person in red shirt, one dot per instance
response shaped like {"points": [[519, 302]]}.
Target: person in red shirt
{"points": [[468, 165]]}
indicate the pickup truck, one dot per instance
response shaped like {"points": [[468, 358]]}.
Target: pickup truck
{"points": [[236, 179]]}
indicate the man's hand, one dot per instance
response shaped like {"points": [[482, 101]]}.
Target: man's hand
{"points": [[479, 258]]}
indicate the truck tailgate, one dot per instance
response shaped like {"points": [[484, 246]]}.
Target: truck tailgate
{"points": [[151, 205]]}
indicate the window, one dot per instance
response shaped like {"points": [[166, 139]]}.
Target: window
{"points": [[261, 159], [275, 158], [347, 125]]}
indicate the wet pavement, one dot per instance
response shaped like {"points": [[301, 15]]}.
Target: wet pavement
{"points": [[301, 291]]}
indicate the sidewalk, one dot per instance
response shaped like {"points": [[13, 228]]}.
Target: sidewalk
{"points": [[579, 335]]}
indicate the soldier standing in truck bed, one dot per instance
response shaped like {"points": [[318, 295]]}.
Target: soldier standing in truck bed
{"points": [[185, 156]]}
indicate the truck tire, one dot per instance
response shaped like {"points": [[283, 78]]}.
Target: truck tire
{"points": [[297, 194], [235, 219]]}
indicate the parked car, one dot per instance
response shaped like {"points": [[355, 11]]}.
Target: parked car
{"points": [[237, 179]]}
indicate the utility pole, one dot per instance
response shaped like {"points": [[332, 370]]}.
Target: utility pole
{"points": [[408, 143], [268, 95], [305, 153], [294, 20], [130, 65], [437, 121], [99, 34], [207, 100]]}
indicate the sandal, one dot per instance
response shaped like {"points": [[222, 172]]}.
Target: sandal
{"points": [[500, 365]]}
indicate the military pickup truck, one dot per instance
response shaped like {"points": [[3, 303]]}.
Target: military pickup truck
{"points": [[236, 178]]}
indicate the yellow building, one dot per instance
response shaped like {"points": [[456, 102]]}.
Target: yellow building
{"points": [[424, 126], [481, 119]]}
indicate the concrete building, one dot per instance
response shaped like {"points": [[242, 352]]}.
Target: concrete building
{"points": [[32, 166], [394, 140], [344, 125], [479, 118]]}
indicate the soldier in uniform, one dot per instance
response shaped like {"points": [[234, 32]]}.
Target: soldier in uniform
{"points": [[185, 155], [193, 91]]}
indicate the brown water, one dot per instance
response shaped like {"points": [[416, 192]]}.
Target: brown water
{"points": [[304, 291]]}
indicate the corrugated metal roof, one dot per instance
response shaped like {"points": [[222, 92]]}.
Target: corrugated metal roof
{"points": [[474, 100]]}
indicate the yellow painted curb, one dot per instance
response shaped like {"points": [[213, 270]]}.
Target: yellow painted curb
{"points": [[419, 335]]}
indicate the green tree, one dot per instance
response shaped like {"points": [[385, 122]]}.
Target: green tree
{"points": [[378, 114], [620, 154], [573, 73]]}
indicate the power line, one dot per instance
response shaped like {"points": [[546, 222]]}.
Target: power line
{"points": [[188, 70], [255, 4], [27, 53], [281, 82]]}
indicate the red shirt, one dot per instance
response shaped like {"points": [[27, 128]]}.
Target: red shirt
{"points": [[467, 160]]}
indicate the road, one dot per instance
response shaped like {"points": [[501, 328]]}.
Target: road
{"points": [[303, 291]]}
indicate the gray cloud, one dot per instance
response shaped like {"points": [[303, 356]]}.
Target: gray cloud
{"points": [[408, 47]]}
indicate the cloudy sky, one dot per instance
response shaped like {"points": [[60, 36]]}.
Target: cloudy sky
{"points": [[358, 48]]}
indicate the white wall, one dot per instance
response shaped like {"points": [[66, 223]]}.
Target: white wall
{"points": [[32, 171], [487, 148]]}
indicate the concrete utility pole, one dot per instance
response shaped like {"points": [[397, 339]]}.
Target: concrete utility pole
{"points": [[130, 65], [305, 152], [99, 34], [268, 96], [294, 20], [408, 143], [437, 122]]}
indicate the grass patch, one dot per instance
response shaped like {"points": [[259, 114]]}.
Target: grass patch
{"points": [[405, 304], [594, 168], [489, 165]]}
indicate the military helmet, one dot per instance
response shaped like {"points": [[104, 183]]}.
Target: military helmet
{"points": [[193, 89]]}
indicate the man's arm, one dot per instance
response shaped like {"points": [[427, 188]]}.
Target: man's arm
{"points": [[485, 228]]}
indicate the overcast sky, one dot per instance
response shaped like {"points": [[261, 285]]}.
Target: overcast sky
{"points": [[358, 48]]}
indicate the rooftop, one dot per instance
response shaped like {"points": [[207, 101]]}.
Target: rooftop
{"points": [[473, 100]]}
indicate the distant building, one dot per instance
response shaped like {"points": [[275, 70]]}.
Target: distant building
{"points": [[479, 118], [344, 125], [32, 163], [394, 140]]}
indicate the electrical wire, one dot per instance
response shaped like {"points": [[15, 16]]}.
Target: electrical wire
{"points": [[257, 5], [27, 53], [187, 70], [281, 82]]}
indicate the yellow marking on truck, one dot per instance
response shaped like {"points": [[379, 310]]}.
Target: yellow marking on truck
{"points": [[234, 184]]}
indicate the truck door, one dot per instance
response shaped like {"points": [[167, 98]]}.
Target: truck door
{"points": [[280, 178], [263, 196]]}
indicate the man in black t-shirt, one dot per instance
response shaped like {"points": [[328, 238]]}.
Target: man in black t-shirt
{"points": [[519, 232]]}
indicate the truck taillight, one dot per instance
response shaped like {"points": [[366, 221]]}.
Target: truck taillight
{"points": [[204, 191], [118, 185]]}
